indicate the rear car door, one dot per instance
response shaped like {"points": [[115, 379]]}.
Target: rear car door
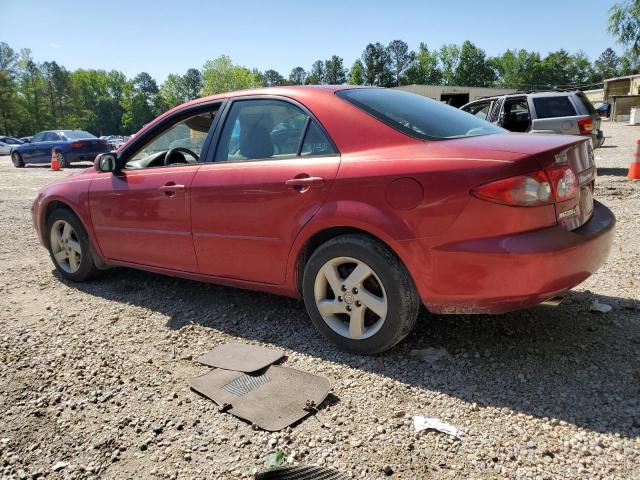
{"points": [[272, 170], [43, 151], [142, 215]]}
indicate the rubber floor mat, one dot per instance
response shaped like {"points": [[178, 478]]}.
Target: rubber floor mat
{"points": [[300, 472], [271, 399], [241, 357]]}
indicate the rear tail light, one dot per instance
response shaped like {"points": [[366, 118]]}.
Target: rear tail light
{"points": [[543, 187], [586, 126], [77, 144]]}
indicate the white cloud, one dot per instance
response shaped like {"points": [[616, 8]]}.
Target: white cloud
{"points": [[55, 45]]}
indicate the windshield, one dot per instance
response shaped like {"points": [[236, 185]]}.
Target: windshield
{"points": [[417, 116], [77, 135]]}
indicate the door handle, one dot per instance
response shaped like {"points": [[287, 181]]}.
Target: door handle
{"points": [[305, 182], [171, 188]]}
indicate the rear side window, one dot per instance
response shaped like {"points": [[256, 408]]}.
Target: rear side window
{"points": [[550, 107], [316, 142], [417, 116], [78, 135]]}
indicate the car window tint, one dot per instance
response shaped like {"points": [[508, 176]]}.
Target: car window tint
{"points": [[261, 129], [189, 133], [38, 137], [77, 134], [550, 107], [417, 116], [316, 142], [480, 110], [586, 103], [51, 137]]}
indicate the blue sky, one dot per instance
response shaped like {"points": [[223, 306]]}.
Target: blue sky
{"points": [[162, 37]]}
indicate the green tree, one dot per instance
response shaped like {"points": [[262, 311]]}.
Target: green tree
{"points": [[518, 69], [449, 55], [273, 78], [624, 24], [400, 58], [221, 75], [316, 75], [8, 89], [298, 76], [607, 65], [472, 69], [630, 63], [172, 93], [192, 83], [356, 74], [424, 69], [377, 65], [334, 71], [32, 89]]}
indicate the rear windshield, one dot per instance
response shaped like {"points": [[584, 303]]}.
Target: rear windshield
{"points": [[417, 116], [586, 102], [77, 135], [550, 107]]}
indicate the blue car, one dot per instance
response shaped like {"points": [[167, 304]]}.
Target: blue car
{"points": [[68, 146]]}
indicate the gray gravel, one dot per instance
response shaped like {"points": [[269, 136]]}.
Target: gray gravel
{"points": [[93, 376]]}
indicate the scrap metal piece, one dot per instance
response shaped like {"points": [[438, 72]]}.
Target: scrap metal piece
{"points": [[300, 472], [241, 357], [275, 399]]}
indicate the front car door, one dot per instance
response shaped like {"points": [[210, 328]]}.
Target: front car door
{"points": [[273, 168], [142, 215], [28, 152]]}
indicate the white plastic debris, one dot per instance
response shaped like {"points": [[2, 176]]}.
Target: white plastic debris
{"points": [[425, 422], [429, 354], [596, 306]]}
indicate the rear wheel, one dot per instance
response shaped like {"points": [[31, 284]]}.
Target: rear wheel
{"points": [[359, 295], [70, 247], [64, 163], [16, 158]]}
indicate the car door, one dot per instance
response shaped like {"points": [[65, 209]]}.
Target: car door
{"points": [[28, 152], [142, 215], [43, 150], [272, 171]]}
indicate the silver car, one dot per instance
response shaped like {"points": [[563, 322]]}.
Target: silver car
{"points": [[7, 143], [567, 113]]}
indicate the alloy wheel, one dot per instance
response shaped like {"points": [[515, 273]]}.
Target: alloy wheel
{"points": [[65, 246], [350, 298]]}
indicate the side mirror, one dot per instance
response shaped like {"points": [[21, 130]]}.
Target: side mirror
{"points": [[26, 140], [105, 162]]}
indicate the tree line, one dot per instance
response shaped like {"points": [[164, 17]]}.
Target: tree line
{"points": [[38, 96]]}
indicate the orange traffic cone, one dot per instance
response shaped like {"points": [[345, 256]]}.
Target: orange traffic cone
{"points": [[634, 168], [55, 164]]}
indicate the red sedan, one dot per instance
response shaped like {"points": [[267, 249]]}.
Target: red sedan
{"points": [[365, 202]]}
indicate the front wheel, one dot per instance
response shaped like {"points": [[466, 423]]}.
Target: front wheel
{"points": [[359, 294], [16, 158], [70, 247]]}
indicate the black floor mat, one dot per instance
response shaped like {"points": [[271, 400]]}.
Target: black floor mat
{"points": [[300, 472], [241, 357]]}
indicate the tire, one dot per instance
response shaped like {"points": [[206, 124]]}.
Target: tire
{"points": [[71, 264], [64, 163], [16, 158], [389, 283]]}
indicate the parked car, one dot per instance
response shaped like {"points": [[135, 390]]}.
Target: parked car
{"points": [[114, 140], [7, 144], [567, 113], [603, 109], [365, 202], [69, 146], [25, 139]]}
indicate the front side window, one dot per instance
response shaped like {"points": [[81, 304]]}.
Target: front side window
{"points": [[183, 140], [550, 107], [51, 137], [480, 110], [38, 137], [415, 115]]}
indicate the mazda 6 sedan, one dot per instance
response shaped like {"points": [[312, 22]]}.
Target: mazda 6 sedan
{"points": [[364, 202]]}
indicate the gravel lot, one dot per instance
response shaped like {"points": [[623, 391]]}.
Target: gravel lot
{"points": [[93, 376]]}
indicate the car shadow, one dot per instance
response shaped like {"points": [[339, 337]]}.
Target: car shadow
{"points": [[564, 363], [613, 171], [47, 166]]}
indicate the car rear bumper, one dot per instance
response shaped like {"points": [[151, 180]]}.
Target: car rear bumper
{"points": [[83, 156], [511, 272]]}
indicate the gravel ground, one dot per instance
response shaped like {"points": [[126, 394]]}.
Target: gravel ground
{"points": [[93, 376]]}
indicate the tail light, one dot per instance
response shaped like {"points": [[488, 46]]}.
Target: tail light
{"points": [[543, 187], [77, 144], [586, 126]]}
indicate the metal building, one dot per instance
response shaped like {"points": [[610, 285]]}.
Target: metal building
{"points": [[455, 96]]}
